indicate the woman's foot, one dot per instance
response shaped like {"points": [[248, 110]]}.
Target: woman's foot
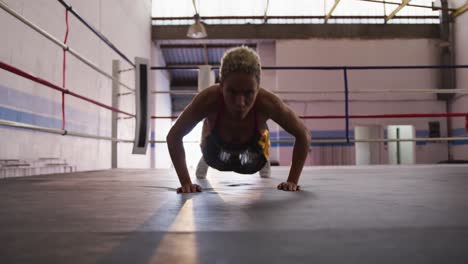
{"points": [[202, 169], [265, 172]]}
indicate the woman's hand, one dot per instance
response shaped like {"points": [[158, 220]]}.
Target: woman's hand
{"points": [[189, 188], [289, 186]]}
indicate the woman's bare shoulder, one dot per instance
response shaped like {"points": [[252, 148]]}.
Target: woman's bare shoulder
{"points": [[207, 100], [267, 101]]}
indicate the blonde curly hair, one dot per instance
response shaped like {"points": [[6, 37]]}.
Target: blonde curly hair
{"points": [[240, 59]]}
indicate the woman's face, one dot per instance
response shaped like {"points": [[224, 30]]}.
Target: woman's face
{"points": [[239, 91]]}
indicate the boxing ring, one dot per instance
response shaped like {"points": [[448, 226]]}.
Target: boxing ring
{"points": [[344, 214], [131, 91]]}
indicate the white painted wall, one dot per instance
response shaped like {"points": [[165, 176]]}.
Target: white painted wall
{"points": [[355, 52], [26, 49], [460, 149]]}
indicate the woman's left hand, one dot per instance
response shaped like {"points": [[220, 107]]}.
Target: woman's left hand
{"points": [[289, 186]]}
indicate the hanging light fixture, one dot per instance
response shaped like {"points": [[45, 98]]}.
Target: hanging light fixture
{"points": [[197, 29]]}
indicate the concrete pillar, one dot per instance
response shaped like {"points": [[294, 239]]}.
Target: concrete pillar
{"points": [[206, 77]]}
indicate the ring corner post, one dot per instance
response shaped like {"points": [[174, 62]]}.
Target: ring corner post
{"points": [[345, 74], [114, 116]]}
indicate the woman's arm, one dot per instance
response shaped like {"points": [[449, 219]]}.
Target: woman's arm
{"points": [[279, 112], [188, 119]]}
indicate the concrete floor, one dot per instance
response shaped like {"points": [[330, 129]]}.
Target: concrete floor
{"points": [[381, 214]]}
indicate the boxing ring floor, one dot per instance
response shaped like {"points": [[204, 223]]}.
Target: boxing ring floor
{"points": [[374, 214]]}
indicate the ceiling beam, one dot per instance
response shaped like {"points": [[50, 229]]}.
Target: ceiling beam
{"points": [[460, 10], [403, 4], [188, 65], [202, 46], [261, 18], [302, 31], [331, 10]]}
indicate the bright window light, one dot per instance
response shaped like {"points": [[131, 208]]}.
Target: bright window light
{"points": [[207, 8], [192, 150]]}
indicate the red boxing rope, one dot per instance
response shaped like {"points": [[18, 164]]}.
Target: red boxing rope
{"points": [[361, 116], [466, 123], [413, 115], [26, 75]]}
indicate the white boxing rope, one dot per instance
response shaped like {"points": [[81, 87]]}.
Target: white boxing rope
{"points": [[426, 91], [164, 142], [411, 139], [77, 134], [355, 140], [175, 92], [56, 131], [96, 68], [377, 140], [429, 91], [59, 43]]}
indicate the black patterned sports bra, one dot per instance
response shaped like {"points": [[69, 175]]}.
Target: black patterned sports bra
{"points": [[241, 158]]}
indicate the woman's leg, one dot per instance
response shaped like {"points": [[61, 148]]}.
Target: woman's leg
{"points": [[265, 172]]}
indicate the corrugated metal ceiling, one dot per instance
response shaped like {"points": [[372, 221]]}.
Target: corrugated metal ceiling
{"points": [[191, 55]]}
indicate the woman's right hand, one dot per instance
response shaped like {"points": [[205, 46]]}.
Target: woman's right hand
{"points": [[189, 188]]}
